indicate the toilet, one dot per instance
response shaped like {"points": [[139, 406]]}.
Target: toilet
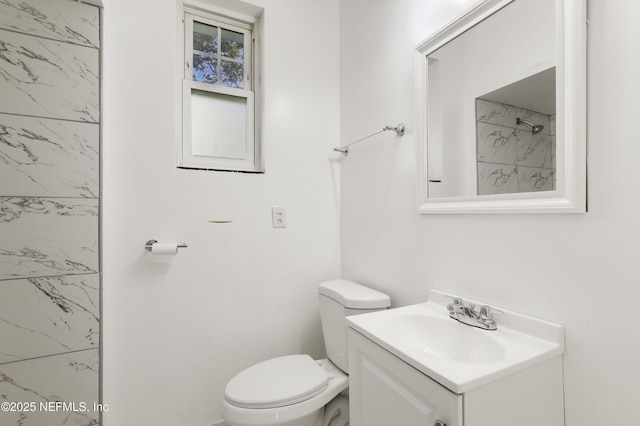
{"points": [[296, 390]]}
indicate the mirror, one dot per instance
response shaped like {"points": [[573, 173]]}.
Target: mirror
{"points": [[501, 110]]}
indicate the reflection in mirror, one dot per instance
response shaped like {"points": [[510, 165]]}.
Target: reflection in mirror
{"points": [[515, 136], [501, 110], [502, 65]]}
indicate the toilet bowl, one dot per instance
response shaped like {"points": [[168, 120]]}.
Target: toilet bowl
{"points": [[295, 390], [291, 404]]}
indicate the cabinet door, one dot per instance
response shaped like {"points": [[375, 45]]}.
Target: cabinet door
{"points": [[384, 390]]}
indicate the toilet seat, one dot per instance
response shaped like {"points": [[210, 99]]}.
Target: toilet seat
{"points": [[277, 382]]}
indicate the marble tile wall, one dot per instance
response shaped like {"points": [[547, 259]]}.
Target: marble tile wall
{"points": [[45, 18], [35, 149], [70, 377], [48, 236], [46, 78], [49, 211], [62, 316], [510, 157]]}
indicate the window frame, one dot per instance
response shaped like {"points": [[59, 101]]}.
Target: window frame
{"points": [[229, 20]]}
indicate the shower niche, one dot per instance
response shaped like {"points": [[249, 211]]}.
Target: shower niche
{"points": [[515, 137], [501, 110]]}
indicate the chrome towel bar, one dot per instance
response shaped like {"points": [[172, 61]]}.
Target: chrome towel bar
{"points": [[344, 149]]}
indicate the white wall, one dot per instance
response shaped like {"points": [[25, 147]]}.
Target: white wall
{"points": [[584, 275], [241, 292]]}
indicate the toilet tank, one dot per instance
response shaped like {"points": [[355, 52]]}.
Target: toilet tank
{"points": [[340, 299]]}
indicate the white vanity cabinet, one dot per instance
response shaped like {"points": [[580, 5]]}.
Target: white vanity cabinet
{"points": [[386, 390]]}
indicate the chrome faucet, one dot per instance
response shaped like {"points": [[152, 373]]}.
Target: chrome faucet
{"points": [[467, 314]]}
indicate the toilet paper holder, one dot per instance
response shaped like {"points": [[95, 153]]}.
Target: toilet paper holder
{"points": [[150, 244]]}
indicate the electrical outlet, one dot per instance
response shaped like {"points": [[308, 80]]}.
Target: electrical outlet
{"points": [[279, 216]]}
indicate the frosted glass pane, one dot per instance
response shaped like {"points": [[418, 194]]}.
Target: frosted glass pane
{"points": [[218, 125]]}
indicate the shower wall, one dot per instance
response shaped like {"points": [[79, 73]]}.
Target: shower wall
{"points": [[510, 158], [49, 198]]}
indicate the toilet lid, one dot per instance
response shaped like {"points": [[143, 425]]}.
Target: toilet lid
{"points": [[277, 382]]}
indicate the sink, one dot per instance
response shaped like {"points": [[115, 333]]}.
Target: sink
{"points": [[447, 338], [459, 356]]}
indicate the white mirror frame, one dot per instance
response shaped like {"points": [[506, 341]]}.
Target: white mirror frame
{"points": [[570, 195]]}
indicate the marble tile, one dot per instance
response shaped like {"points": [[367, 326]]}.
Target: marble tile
{"points": [[68, 21], [497, 179], [44, 237], [534, 150], [62, 316], [48, 158], [510, 157], [495, 113], [496, 144], [45, 78], [71, 378], [533, 179]]}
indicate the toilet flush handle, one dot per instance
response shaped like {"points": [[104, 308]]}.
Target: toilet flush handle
{"points": [[439, 423]]}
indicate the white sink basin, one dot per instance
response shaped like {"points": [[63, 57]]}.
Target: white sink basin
{"points": [[459, 356], [446, 338]]}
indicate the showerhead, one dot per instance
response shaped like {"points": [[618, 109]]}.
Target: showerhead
{"points": [[535, 128]]}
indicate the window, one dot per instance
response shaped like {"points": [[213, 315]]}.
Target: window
{"points": [[218, 101]]}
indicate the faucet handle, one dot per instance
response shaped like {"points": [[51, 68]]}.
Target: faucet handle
{"points": [[456, 300], [486, 312], [456, 307]]}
